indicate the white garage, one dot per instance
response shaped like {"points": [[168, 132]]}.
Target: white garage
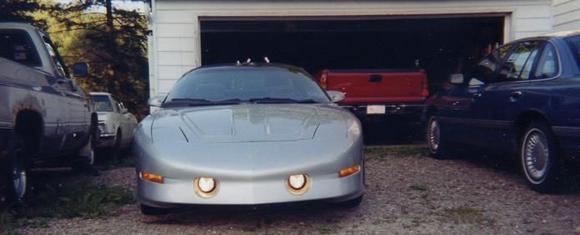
{"points": [[338, 34]]}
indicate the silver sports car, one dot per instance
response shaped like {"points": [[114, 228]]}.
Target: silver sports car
{"points": [[246, 135]]}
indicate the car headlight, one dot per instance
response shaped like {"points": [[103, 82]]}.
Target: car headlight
{"points": [[102, 128], [205, 187], [297, 182]]}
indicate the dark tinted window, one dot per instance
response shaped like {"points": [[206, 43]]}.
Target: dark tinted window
{"points": [[574, 43], [518, 65], [17, 46], [245, 83], [548, 63], [102, 103]]}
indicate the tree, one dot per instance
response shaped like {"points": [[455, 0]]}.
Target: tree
{"points": [[112, 42], [114, 45], [20, 11]]}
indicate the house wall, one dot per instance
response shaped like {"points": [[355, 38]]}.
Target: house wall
{"points": [[176, 46], [566, 14]]}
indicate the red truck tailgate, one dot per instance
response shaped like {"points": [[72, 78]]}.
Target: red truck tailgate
{"points": [[377, 86]]}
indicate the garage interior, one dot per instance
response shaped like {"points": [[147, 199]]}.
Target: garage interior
{"points": [[442, 45]]}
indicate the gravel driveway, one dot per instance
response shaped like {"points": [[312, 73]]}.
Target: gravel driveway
{"points": [[407, 193]]}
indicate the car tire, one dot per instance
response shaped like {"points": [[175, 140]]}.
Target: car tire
{"points": [[352, 203], [539, 158], [15, 170], [149, 210], [436, 142]]}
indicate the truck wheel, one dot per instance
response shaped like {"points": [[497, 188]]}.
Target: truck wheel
{"points": [[539, 158], [435, 140], [15, 172]]}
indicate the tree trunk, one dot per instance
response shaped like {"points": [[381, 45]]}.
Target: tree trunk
{"points": [[109, 7]]}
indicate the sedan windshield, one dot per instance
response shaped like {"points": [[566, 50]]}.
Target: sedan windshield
{"points": [[574, 43], [102, 103], [233, 85]]}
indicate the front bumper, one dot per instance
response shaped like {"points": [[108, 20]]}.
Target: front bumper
{"points": [[178, 192]]}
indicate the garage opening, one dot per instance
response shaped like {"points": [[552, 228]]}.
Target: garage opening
{"points": [[439, 45]]}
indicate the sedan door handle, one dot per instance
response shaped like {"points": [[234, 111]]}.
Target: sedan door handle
{"points": [[515, 95], [477, 95]]}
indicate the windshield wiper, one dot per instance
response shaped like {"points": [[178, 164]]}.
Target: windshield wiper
{"points": [[199, 102], [270, 100]]}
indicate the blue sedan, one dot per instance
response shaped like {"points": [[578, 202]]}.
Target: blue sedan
{"points": [[523, 99]]}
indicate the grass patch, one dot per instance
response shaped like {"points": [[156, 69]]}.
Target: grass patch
{"points": [[467, 215], [381, 153], [80, 199]]}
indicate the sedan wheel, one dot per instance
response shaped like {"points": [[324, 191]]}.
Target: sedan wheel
{"points": [[435, 140], [538, 158]]}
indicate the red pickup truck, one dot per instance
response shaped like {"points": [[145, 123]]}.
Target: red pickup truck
{"points": [[379, 92]]}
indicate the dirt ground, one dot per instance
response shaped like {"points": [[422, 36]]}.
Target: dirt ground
{"points": [[407, 193]]}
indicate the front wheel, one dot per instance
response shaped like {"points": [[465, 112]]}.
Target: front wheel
{"points": [[435, 139], [539, 158], [15, 171]]}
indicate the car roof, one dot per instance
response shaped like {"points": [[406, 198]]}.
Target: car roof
{"points": [[100, 93], [548, 36], [17, 25], [250, 65]]}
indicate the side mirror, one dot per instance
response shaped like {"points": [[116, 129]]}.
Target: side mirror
{"points": [[81, 70], [456, 79], [336, 96], [156, 101]]}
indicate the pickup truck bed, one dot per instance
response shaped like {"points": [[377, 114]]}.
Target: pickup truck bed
{"points": [[379, 92]]}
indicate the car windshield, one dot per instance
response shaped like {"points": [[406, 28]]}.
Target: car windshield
{"points": [[574, 43], [233, 85], [102, 103]]}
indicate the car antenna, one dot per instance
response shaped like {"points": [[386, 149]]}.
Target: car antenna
{"points": [[266, 59]]}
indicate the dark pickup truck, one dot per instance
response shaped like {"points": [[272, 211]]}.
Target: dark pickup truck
{"points": [[384, 93]]}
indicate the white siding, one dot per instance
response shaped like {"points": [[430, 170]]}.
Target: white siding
{"points": [[177, 37], [566, 14]]}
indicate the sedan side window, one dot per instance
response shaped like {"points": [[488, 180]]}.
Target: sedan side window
{"points": [[548, 63], [518, 65]]}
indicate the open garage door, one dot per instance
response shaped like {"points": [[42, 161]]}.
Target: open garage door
{"points": [[441, 44]]}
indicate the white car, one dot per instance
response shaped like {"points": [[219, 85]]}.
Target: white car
{"points": [[116, 124]]}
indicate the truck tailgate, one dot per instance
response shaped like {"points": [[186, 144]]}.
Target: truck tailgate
{"points": [[385, 86]]}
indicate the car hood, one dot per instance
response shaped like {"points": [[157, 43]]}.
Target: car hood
{"points": [[239, 123]]}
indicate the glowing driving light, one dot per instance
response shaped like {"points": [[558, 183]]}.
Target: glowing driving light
{"points": [[148, 176], [344, 172], [297, 182], [206, 184]]}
